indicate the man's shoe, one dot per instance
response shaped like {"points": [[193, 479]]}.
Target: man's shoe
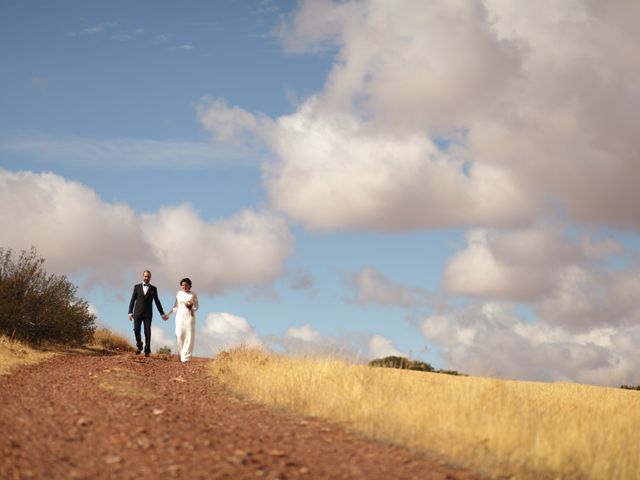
{"points": [[138, 351], [146, 354]]}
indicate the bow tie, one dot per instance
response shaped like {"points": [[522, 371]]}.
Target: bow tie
{"points": [[145, 284]]}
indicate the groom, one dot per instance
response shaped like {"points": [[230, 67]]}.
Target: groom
{"points": [[141, 311]]}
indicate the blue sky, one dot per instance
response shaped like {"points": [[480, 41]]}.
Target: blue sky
{"points": [[450, 182]]}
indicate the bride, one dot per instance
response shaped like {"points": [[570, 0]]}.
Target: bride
{"points": [[185, 308]]}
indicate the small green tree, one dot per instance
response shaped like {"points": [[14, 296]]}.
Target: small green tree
{"points": [[37, 307], [404, 363]]}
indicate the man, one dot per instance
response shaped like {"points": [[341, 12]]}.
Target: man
{"points": [[141, 311]]}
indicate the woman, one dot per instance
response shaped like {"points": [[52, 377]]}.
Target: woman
{"points": [[185, 309]]}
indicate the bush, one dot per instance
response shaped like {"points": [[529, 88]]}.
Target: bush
{"points": [[36, 307], [164, 350], [402, 363], [406, 364], [105, 338], [630, 387]]}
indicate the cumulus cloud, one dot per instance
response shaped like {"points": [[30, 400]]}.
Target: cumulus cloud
{"points": [[159, 339], [373, 287], [305, 333], [457, 114], [223, 330], [72, 228], [354, 346], [306, 340], [379, 347], [585, 298], [78, 233], [569, 282], [227, 124], [516, 264], [491, 339], [334, 172], [248, 248]]}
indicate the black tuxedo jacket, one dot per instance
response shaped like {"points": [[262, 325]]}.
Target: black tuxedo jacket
{"points": [[141, 304]]}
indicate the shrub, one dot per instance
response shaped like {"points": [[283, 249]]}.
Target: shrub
{"points": [[105, 338], [37, 307], [164, 350], [406, 364], [402, 363], [630, 387]]}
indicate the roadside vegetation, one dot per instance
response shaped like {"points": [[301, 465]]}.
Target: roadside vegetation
{"points": [[38, 308], [404, 363], [497, 427], [41, 316], [14, 353], [105, 338]]}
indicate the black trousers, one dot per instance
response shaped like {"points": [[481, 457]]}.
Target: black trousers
{"points": [[138, 321]]}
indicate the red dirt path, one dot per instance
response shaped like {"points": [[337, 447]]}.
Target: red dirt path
{"points": [[126, 417]]}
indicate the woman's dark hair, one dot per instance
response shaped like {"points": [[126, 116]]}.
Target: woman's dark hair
{"points": [[186, 280]]}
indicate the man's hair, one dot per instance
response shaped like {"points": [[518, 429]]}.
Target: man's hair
{"points": [[147, 271]]}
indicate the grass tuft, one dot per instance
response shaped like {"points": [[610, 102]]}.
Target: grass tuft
{"points": [[14, 354], [105, 338]]}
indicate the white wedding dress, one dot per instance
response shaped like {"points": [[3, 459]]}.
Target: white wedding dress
{"points": [[185, 323]]}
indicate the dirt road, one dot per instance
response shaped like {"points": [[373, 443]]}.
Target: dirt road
{"points": [[124, 416]]}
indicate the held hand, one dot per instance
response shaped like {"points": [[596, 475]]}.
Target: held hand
{"points": [[165, 317]]}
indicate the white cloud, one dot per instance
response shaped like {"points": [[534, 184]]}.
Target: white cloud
{"points": [[373, 287], [95, 29], [569, 283], [78, 233], [72, 228], [227, 124], [159, 339], [379, 347], [490, 339], [459, 114], [248, 248], [306, 340], [353, 346], [123, 152], [305, 333], [525, 263], [334, 172], [224, 330], [586, 298], [161, 38], [517, 264]]}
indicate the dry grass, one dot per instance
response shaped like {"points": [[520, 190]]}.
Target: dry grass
{"points": [[13, 354], [105, 338], [501, 428]]}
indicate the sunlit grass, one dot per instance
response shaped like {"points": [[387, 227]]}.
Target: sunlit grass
{"points": [[105, 338], [498, 427], [14, 354]]}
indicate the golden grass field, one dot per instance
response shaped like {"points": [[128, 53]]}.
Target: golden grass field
{"points": [[497, 427]]}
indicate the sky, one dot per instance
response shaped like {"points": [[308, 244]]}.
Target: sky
{"points": [[451, 181]]}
